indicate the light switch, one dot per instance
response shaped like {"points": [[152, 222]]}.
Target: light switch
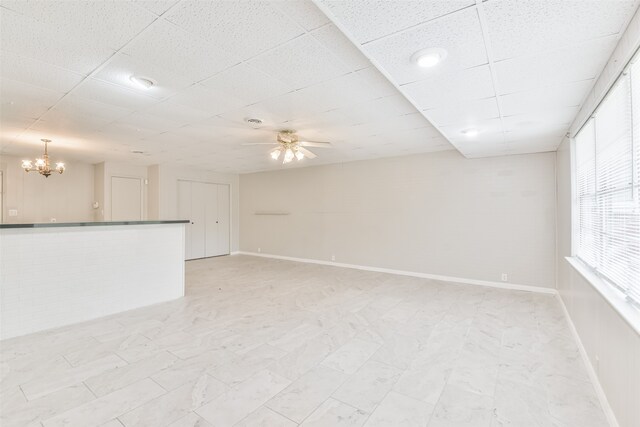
{"points": [[13, 212]]}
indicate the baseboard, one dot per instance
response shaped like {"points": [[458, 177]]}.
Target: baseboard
{"points": [[502, 285], [602, 397], [235, 253]]}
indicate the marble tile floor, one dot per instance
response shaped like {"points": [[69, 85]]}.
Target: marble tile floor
{"points": [[261, 342]]}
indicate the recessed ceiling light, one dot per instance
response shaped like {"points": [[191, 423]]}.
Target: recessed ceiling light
{"points": [[471, 133], [427, 58], [142, 82]]}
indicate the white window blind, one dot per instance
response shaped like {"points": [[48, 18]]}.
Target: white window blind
{"points": [[608, 191]]}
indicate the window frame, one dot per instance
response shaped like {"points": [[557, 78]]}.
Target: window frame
{"points": [[628, 309]]}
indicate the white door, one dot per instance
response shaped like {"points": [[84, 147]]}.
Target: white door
{"points": [[126, 199], [223, 220], [211, 211], [198, 220], [206, 206], [184, 212]]}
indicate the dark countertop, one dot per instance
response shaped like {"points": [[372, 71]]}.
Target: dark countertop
{"points": [[90, 224]]}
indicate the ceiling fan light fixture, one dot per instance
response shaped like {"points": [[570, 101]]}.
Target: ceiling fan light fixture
{"points": [[299, 155], [288, 156], [275, 154], [427, 58]]}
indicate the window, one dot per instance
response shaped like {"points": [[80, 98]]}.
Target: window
{"points": [[607, 160]]}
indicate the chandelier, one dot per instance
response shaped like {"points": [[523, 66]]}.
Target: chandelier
{"points": [[42, 165]]}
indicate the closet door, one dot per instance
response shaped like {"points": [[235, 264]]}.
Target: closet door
{"points": [[223, 219], [198, 220], [211, 212], [184, 212]]}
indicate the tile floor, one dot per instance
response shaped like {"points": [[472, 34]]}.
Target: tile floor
{"points": [[261, 342]]}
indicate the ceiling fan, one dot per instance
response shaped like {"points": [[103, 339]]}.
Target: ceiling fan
{"points": [[288, 143]]}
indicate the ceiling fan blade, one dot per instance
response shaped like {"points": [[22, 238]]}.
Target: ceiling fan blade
{"points": [[308, 154], [260, 143], [315, 144]]}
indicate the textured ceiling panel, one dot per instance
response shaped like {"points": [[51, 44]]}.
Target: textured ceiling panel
{"points": [[110, 24], [179, 52], [454, 88], [245, 28], [369, 20], [305, 13], [565, 65], [33, 72], [52, 44], [342, 48], [300, 62], [519, 28]]}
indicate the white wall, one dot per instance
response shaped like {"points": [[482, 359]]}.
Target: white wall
{"points": [[163, 193], [65, 197], [613, 347], [434, 213]]}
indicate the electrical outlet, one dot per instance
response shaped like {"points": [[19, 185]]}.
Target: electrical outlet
{"points": [[505, 277], [333, 257], [13, 212], [259, 250], [52, 220]]}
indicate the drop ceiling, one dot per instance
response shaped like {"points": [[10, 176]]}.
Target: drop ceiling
{"points": [[336, 71]]}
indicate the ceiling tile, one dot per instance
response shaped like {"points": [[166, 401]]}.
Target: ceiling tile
{"points": [[41, 74], [334, 40], [74, 108], [176, 112], [242, 27], [21, 100], [304, 12], [201, 98], [300, 63], [519, 28], [549, 68], [178, 52], [553, 117], [533, 145], [55, 45], [149, 121], [467, 112], [247, 83], [459, 34], [548, 98], [110, 24], [369, 20], [454, 88], [156, 6]]}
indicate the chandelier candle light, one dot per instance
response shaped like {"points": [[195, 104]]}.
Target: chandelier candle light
{"points": [[42, 165]]}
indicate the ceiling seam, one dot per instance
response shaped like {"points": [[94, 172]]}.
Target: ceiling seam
{"points": [[490, 62], [411, 27]]}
